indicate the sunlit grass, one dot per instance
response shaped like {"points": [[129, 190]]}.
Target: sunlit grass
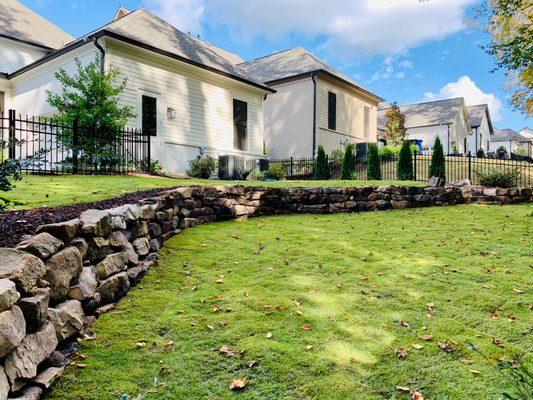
{"points": [[351, 279]]}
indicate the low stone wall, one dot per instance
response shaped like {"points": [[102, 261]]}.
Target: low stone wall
{"points": [[55, 283]]}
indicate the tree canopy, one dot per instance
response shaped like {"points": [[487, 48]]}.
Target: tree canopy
{"points": [[395, 131]]}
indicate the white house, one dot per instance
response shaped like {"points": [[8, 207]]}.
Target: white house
{"points": [[512, 141], [314, 105], [447, 119], [482, 129], [191, 99]]}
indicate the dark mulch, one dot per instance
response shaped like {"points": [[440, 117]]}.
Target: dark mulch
{"points": [[15, 224]]}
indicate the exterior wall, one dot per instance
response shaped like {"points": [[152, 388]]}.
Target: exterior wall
{"points": [[350, 116], [483, 138], [428, 134], [289, 120], [15, 55], [202, 100], [513, 147]]}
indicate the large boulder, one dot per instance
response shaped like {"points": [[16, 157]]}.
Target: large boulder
{"points": [[8, 294], [29, 393], [130, 212], [61, 269], [81, 244], [42, 245], [21, 363], [12, 329], [95, 222], [4, 385], [22, 268], [48, 377], [98, 249], [114, 287], [435, 181], [110, 265], [141, 246], [86, 286], [67, 319], [66, 231], [35, 309]]}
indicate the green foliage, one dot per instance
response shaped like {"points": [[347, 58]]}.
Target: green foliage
{"points": [[202, 167], [374, 165], [276, 171], [9, 172], [455, 151], [322, 171], [497, 178], [405, 163], [395, 131], [480, 153], [337, 155], [90, 97], [437, 166], [393, 151], [348, 162], [521, 152], [501, 152]]}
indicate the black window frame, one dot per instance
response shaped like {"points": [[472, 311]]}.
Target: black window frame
{"points": [[240, 125], [150, 131], [332, 111]]}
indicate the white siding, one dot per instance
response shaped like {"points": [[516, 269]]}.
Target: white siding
{"points": [[289, 120], [203, 102], [483, 135], [15, 55], [428, 135]]}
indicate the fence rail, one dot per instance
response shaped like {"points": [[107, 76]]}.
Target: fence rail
{"points": [[43, 146], [457, 168]]}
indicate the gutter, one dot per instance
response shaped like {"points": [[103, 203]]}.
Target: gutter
{"points": [[102, 54], [313, 77], [41, 46]]}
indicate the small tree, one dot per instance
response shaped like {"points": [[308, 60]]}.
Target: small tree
{"points": [[9, 172], [322, 171], [437, 166], [395, 131], [374, 166], [90, 97], [348, 162], [405, 163]]}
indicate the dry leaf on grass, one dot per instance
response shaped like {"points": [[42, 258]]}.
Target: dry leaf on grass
{"points": [[417, 396], [269, 335], [417, 346], [169, 345], [226, 351], [425, 337], [305, 327], [467, 362], [403, 389], [401, 352], [238, 384], [445, 346]]}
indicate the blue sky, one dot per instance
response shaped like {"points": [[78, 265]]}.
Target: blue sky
{"points": [[403, 50]]}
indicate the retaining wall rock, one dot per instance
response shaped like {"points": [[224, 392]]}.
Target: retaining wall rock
{"points": [[56, 282]]}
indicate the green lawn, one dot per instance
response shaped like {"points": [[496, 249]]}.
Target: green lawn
{"points": [[333, 291], [48, 191]]}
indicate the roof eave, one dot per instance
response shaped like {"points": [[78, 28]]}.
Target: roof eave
{"points": [[41, 46]]}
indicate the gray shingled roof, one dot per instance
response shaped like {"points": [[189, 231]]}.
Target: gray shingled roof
{"points": [[476, 114], [290, 63], [438, 112], [506, 135], [19, 22]]}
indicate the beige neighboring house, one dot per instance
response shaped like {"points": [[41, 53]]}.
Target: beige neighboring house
{"points": [[314, 105], [191, 99], [512, 141], [448, 119], [482, 129]]}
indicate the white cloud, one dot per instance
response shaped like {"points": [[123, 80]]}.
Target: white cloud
{"points": [[467, 88], [186, 15], [344, 28], [389, 69]]}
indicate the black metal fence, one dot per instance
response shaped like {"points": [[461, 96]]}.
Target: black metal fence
{"points": [[457, 168], [43, 146]]}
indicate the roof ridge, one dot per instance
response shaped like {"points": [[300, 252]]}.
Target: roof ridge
{"points": [[433, 101], [270, 55]]}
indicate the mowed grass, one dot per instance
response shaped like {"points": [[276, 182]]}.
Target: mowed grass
{"points": [[48, 191], [332, 290]]}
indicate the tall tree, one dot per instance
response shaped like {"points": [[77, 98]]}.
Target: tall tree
{"points": [[348, 162], [395, 126], [509, 22], [438, 165], [322, 171], [373, 171], [405, 163]]}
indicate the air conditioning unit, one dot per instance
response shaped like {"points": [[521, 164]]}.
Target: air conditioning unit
{"points": [[361, 149], [230, 167]]}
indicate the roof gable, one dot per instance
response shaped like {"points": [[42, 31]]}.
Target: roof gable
{"points": [[18, 22], [477, 113]]}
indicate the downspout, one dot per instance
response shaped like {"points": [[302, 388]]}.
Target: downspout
{"points": [[313, 77], [102, 54], [448, 126], [476, 149]]}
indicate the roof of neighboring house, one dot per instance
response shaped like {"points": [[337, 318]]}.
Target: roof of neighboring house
{"points": [[294, 63], [144, 29], [384, 106], [507, 135], [527, 133], [20, 23], [476, 114], [439, 112]]}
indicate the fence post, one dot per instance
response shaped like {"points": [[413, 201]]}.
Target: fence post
{"points": [[470, 166], [414, 165], [11, 140], [292, 164], [75, 146]]}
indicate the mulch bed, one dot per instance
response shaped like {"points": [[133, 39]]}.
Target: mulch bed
{"points": [[14, 225]]}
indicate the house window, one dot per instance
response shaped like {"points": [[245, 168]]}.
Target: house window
{"points": [[367, 122], [240, 124], [332, 111], [149, 115]]}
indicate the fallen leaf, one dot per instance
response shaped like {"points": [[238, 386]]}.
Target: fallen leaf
{"points": [[403, 389], [445, 346], [269, 335], [220, 280], [497, 342], [169, 345], [223, 322], [140, 345], [309, 347], [210, 327], [467, 362], [416, 346], [494, 316], [238, 384], [425, 337], [475, 372], [517, 291], [417, 396], [226, 351], [487, 286], [401, 352], [404, 324], [305, 327], [81, 365], [298, 312]]}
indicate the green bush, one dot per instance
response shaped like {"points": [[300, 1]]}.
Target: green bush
{"points": [[495, 178], [374, 166], [437, 166], [275, 171], [480, 153], [322, 171], [348, 162], [501, 152], [202, 167], [389, 151], [405, 163]]}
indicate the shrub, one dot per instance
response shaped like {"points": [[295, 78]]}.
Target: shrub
{"points": [[322, 171], [480, 153], [348, 162], [374, 166], [405, 163], [521, 152], [495, 178], [437, 166], [275, 171], [501, 152], [337, 156], [202, 167], [389, 151], [9, 172]]}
